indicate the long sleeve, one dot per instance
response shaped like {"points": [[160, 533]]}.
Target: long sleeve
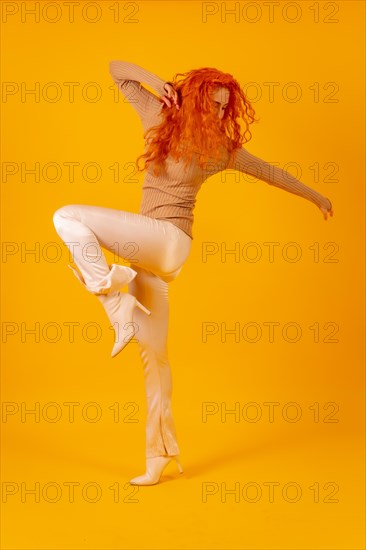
{"points": [[254, 166], [128, 77]]}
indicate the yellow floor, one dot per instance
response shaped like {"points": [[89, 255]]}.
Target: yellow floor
{"points": [[275, 487]]}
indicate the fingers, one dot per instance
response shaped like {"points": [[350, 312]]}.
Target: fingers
{"points": [[172, 94], [175, 99], [327, 212], [166, 101]]}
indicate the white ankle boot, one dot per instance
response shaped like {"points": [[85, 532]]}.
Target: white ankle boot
{"points": [[154, 468], [118, 276], [118, 306]]}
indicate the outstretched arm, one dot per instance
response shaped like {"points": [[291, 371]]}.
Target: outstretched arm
{"points": [[128, 77], [245, 162]]}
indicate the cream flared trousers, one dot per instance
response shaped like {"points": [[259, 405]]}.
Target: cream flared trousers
{"points": [[157, 250]]}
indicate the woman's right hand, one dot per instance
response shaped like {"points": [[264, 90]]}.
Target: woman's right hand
{"points": [[171, 94]]}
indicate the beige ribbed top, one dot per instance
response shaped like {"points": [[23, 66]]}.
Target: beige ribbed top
{"points": [[172, 195]]}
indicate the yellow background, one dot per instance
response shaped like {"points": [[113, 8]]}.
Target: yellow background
{"points": [[166, 38]]}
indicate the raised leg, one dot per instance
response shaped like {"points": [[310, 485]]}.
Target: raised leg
{"points": [[155, 245], [157, 250]]}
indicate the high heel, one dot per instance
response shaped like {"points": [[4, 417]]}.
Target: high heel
{"points": [[119, 307], [154, 468]]}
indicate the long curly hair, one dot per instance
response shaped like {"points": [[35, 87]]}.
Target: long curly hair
{"points": [[195, 127]]}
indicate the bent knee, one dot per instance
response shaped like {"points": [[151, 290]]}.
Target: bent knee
{"points": [[168, 277], [63, 213]]}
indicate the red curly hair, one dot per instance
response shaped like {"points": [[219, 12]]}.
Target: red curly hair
{"points": [[194, 128]]}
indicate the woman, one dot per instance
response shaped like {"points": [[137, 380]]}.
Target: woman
{"points": [[191, 133]]}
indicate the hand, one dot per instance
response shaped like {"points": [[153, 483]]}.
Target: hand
{"points": [[328, 209], [170, 94]]}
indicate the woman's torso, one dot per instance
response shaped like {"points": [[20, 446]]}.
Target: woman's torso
{"points": [[172, 195]]}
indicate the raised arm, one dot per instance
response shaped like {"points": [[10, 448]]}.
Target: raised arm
{"points": [[128, 77], [245, 162]]}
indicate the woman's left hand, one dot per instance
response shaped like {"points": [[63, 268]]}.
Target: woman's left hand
{"points": [[328, 209]]}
